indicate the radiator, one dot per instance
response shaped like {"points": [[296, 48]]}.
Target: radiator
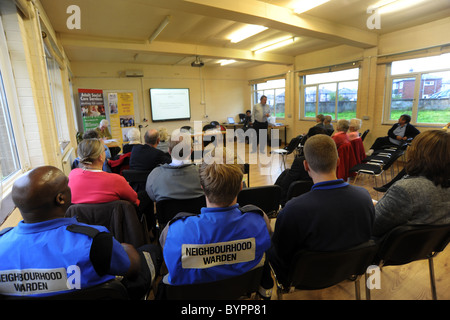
{"points": [[67, 161]]}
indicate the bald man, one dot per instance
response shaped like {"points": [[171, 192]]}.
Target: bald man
{"points": [[48, 254], [146, 157]]}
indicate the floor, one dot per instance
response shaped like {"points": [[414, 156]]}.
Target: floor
{"points": [[407, 282]]}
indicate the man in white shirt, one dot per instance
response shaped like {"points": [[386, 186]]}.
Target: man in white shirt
{"points": [[261, 112]]}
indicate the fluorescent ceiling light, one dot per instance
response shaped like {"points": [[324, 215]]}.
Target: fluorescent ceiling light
{"points": [[225, 62], [388, 6], [274, 45], [246, 32], [161, 27], [301, 6]]}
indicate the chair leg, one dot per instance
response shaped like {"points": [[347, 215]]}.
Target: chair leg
{"points": [[432, 279]]}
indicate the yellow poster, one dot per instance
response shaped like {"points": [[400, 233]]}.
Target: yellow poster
{"points": [[121, 108]]}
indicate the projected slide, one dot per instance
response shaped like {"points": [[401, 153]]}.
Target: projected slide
{"points": [[170, 104]]}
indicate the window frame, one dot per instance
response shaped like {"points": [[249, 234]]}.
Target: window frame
{"points": [[14, 113], [416, 98], [303, 86], [255, 99]]}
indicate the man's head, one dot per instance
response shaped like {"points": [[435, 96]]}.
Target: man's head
{"points": [[263, 100], [327, 119], [180, 145], [404, 119], [151, 137], [220, 180], [42, 194], [321, 154]]}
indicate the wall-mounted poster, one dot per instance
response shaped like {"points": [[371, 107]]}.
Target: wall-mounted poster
{"points": [[92, 107], [122, 118]]}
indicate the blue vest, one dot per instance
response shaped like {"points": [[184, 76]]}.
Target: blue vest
{"points": [[217, 244], [46, 258]]}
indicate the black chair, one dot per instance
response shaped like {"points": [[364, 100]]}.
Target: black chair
{"points": [[298, 188], [247, 172], [111, 290], [167, 209], [319, 270], [227, 289], [119, 217], [267, 198], [363, 136], [291, 147], [242, 117], [408, 243], [136, 178]]}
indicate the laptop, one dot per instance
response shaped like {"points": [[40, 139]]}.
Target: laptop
{"points": [[230, 120]]}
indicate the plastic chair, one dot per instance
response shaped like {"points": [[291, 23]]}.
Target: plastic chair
{"points": [[111, 290], [267, 198], [298, 188], [291, 147], [167, 209], [318, 270], [363, 136], [408, 243], [226, 289], [119, 217]]}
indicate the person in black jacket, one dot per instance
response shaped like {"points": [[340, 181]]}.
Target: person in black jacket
{"points": [[146, 157], [397, 135]]}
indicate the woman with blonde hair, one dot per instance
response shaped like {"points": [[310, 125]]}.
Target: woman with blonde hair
{"points": [[423, 196], [89, 184], [353, 127]]}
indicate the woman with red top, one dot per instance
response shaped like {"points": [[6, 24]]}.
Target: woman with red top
{"points": [[340, 136], [90, 184]]}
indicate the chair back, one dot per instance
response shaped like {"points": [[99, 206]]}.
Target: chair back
{"points": [[268, 198], [363, 136], [111, 290], [136, 178], [346, 161], [408, 243], [293, 144], [358, 150], [317, 270], [119, 217], [169, 208], [298, 188], [226, 289]]}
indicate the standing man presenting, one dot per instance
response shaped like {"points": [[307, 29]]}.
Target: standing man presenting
{"points": [[261, 112]]}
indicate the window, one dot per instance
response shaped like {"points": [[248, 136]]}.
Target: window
{"points": [[330, 93], [421, 88], [9, 159], [274, 90]]}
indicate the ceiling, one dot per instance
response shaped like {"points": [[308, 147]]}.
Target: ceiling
{"points": [[119, 30]]}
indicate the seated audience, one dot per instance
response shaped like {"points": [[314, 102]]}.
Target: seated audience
{"points": [[340, 136], [146, 157], [134, 138], [397, 134], [297, 171], [353, 129], [222, 225], [90, 184], [423, 196], [178, 179], [103, 131], [163, 144], [319, 119], [68, 255], [328, 126], [332, 216]]}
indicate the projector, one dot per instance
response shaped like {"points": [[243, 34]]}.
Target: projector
{"points": [[197, 63]]}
